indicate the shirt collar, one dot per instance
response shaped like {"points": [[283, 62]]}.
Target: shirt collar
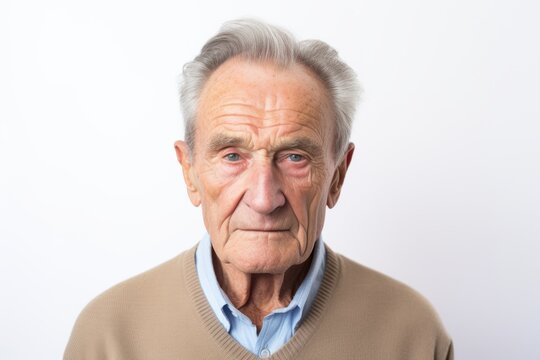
{"points": [[217, 299], [208, 280]]}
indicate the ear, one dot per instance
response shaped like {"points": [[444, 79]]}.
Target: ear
{"points": [[184, 158], [339, 177]]}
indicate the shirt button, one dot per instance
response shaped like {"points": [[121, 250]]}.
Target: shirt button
{"points": [[265, 353]]}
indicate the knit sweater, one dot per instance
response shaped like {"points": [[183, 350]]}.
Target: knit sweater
{"points": [[163, 314]]}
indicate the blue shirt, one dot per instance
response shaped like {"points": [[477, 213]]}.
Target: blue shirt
{"points": [[278, 326]]}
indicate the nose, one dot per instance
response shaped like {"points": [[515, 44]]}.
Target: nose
{"points": [[264, 193]]}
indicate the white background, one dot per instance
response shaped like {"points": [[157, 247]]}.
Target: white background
{"points": [[442, 193]]}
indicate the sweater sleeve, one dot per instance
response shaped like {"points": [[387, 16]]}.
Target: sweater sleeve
{"points": [[92, 337], [450, 352], [84, 343]]}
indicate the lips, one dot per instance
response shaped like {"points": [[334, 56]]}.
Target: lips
{"points": [[249, 222], [264, 230]]}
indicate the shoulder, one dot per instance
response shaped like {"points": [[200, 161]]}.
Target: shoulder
{"points": [[137, 306], [381, 293], [385, 309], [373, 284]]}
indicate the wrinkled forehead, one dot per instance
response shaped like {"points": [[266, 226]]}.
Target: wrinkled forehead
{"points": [[265, 95]]}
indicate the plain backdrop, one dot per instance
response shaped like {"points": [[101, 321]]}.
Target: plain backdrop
{"points": [[442, 193]]}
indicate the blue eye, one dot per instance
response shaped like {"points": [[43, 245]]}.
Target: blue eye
{"points": [[295, 157], [232, 157]]}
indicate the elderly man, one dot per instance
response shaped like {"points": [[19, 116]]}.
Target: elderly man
{"points": [[267, 148]]}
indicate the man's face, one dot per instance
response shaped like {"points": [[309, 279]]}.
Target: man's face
{"points": [[263, 166]]}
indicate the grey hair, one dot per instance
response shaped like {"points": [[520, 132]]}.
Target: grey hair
{"points": [[256, 40]]}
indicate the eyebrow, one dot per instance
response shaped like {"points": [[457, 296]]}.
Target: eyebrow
{"points": [[301, 143], [222, 141]]}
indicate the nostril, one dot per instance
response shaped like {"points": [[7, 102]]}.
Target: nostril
{"points": [[264, 193], [265, 202], [264, 199]]}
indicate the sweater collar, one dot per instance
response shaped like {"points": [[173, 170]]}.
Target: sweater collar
{"points": [[231, 348], [219, 301]]}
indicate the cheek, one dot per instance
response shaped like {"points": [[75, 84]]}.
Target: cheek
{"points": [[307, 197], [310, 209], [216, 181], [220, 194]]}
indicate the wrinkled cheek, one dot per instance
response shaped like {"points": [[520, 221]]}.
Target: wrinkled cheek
{"points": [[317, 212], [220, 199], [214, 184], [309, 211]]}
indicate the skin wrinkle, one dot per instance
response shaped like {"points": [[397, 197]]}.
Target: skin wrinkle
{"points": [[268, 111], [303, 144], [257, 129], [263, 210]]}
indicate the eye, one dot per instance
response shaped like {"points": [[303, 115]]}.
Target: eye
{"points": [[232, 157], [295, 157]]}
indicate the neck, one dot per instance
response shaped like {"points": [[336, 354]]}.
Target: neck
{"points": [[257, 295]]}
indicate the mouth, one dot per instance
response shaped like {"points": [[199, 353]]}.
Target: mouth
{"points": [[264, 230]]}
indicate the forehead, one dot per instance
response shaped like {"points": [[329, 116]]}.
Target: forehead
{"points": [[262, 95]]}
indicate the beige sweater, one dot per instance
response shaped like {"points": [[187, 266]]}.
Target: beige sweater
{"points": [[163, 314]]}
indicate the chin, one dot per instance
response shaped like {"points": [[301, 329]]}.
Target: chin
{"points": [[273, 269], [262, 261], [259, 252]]}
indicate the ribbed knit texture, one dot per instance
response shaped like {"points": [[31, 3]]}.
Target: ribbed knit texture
{"points": [[233, 349], [163, 314]]}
